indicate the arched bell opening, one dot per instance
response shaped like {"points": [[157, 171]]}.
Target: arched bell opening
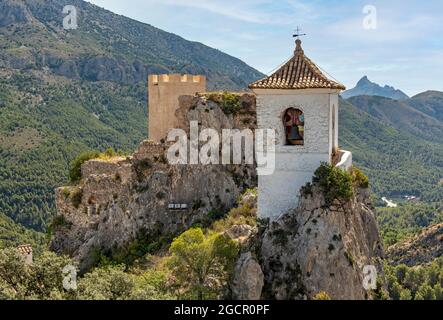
{"points": [[294, 124]]}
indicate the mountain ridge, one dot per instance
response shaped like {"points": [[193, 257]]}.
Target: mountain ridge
{"points": [[366, 87], [108, 47], [406, 115]]}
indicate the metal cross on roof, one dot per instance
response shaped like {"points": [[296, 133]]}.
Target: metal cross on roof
{"points": [[298, 33]]}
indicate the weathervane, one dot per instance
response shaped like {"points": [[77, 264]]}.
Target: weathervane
{"points": [[298, 33]]}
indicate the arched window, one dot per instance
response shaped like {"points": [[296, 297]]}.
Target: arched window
{"points": [[294, 123]]}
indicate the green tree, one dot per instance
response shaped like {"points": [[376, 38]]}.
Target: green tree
{"points": [[400, 271], [151, 285], [426, 292], [405, 294], [41, 280], [334, 182], [395, 291], [202, 263], [75, 172], [106, 283], [438, 290]]}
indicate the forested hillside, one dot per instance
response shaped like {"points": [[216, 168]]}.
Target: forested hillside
{"points": [[403, 116], [399, 144], [397, 161], [64, 92], [44, 124], [12, 235]]}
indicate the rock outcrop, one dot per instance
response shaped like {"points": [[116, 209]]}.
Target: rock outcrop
{"points": [[420, 249], [319, 248], [316, 247], [248, 280], [12, 13], [143, 198], [313, 248]]}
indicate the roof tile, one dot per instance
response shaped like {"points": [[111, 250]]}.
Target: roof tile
{"points": [[298, 73]]}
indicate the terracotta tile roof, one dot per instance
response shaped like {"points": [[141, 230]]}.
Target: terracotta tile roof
{"points": [[24, 249], [298, 73]]}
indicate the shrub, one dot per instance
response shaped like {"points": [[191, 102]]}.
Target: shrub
{"points": [[216, 214], [202, 263], [306, 190], [66, 192], [350, 258], [334, 182], [237, 216], [229, 102], [75, 174], [152, 285], [140, 246], [106, 283], [322, 296], [76, 196], [109, 153], [60, 221], [359, 178], [197, 204]]}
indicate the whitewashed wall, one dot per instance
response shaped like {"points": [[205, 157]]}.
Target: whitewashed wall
{"points": [[295, 165]]}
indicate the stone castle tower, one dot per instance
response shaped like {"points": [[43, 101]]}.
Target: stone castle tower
{"points": [[164, 91], [301, 104]]}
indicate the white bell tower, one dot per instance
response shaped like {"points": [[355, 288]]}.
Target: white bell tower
{"points": [[301, 103]]}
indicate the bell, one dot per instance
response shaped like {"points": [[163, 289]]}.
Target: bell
{"points": [[295, 134]]}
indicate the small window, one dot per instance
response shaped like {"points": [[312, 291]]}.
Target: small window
{"points": [[294, 123]]}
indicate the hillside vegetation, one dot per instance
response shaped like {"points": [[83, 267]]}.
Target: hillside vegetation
{"points": [[45, 124], [66, 92], [12, 235], [399, 144], [397, 161]]}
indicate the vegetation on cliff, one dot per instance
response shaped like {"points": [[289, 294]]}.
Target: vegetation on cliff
{"points": [[44, 279], [197, 265], [202, 263]]}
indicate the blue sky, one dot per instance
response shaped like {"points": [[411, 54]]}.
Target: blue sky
{"points": [[405, 50]]}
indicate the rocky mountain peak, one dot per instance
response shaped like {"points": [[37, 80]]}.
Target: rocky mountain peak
{"points": [[366, 87], [363, 81]]}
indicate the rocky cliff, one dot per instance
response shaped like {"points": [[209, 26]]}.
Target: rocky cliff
{"points": [[311, 249], [122, 203]]}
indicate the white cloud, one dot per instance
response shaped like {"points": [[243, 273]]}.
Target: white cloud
{"points": [[252, 11], [406, 50]]}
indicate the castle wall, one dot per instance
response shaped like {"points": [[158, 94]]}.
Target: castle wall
{"points": [[164, 91], [295, 165]]}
